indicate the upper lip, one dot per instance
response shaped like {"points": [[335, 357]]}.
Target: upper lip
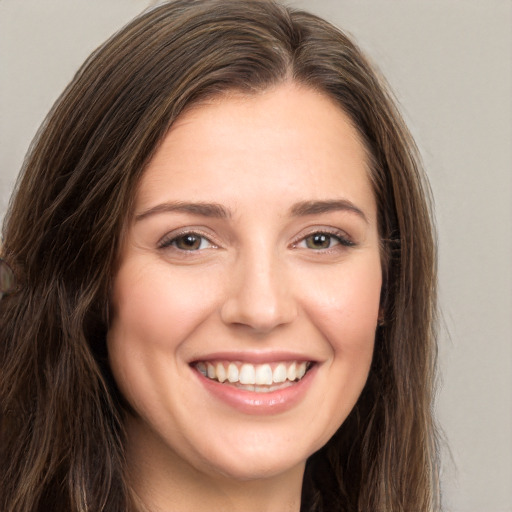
{"points": [[253, 357]]}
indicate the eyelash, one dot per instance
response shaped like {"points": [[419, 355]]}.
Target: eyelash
{"points": [[170, 241], [340, 237]]}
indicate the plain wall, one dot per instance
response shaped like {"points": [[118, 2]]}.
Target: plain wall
{"points": [[450, 65]]}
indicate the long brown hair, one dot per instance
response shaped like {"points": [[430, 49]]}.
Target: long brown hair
{"points": [[61, 424]]}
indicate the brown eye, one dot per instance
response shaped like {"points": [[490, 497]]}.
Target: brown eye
{"points": [[321, 241], [188, 242]]}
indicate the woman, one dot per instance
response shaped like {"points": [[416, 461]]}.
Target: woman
{"points": [[225, 279]]}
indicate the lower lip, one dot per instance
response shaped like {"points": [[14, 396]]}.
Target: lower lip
{"points": [[251, 402]]}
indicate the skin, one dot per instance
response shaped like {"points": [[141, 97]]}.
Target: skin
{"points": [[256, 284]]}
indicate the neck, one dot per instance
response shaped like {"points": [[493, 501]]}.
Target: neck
{"points": [[162, 481]]}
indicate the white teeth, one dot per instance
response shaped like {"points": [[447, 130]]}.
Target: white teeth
{"points": [[221, 372], [247, 374], [279, 373], [264, 375], [260, 376], [232, 373], [292, 373]]}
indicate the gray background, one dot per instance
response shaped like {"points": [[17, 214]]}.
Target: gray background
{"points": [[450, 65]]}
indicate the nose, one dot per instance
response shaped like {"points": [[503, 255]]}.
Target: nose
{"points": [[260, 296]]}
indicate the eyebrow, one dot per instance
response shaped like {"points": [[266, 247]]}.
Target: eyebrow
{"points": [[215, 210], [203, 209], [315, 207]]}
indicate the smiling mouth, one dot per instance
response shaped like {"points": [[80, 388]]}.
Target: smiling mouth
{"points": [[262, 378]]}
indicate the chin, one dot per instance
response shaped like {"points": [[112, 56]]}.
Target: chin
{"points": [[258, 468], [255, 456]]}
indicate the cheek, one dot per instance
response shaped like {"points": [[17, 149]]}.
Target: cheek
{"points": [[154, 311], [160, 307], [343, 305], [346, 307]]}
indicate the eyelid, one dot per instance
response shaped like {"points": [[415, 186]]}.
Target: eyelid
{"points": [[344, 239], [166, 241]]}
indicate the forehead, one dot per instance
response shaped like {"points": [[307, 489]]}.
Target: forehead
{"points": [[287, 140]]}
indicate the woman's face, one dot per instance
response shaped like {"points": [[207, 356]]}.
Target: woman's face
{"points": [[251, 258]]}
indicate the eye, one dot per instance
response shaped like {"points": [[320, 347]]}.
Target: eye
{"points": [[187, 242], [321, 241]]}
